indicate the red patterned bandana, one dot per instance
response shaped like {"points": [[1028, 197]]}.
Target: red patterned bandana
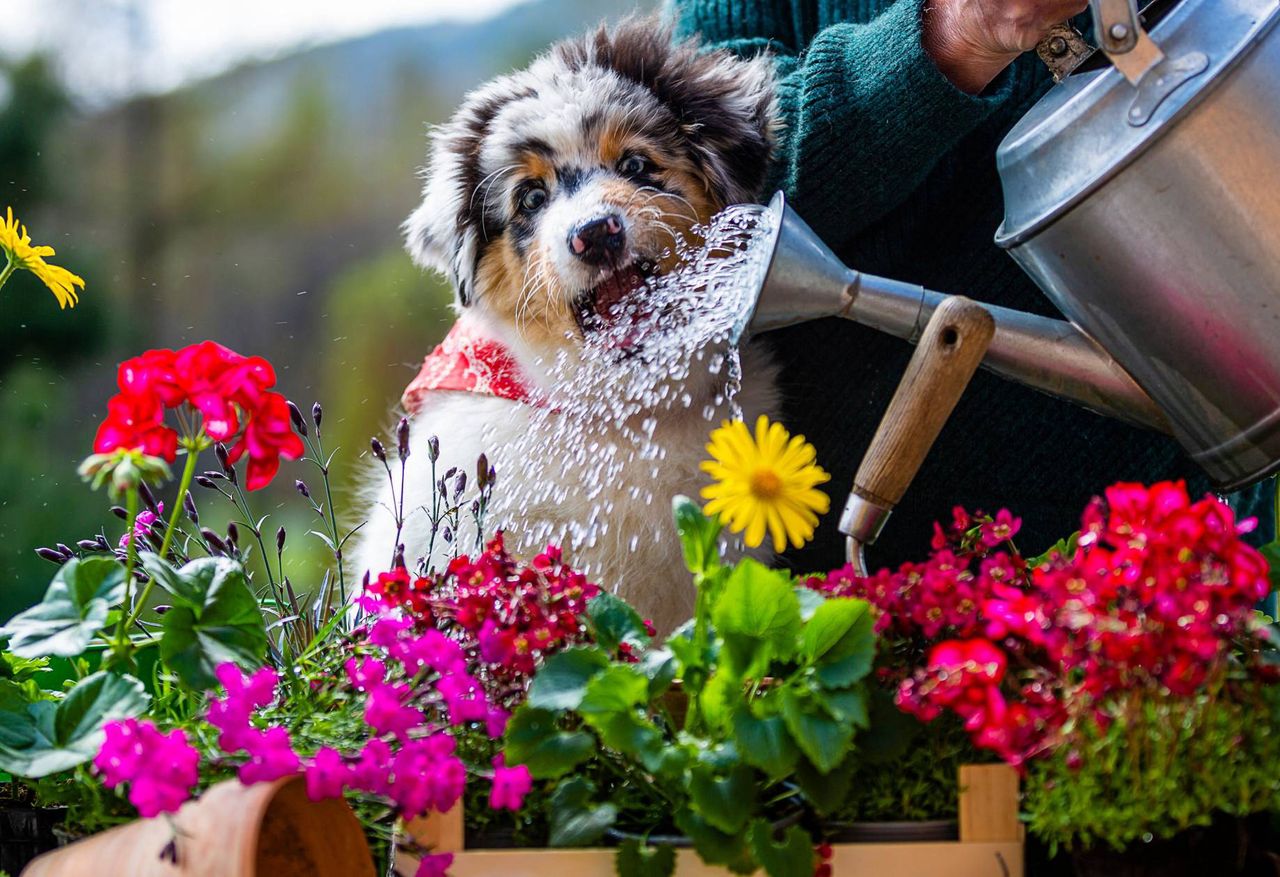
{"points": [[467, 361]]}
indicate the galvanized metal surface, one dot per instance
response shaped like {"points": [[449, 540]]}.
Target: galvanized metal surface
{"points": [[1162, 239]]}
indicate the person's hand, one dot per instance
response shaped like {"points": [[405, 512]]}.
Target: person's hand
{"points": [[971, 41]]}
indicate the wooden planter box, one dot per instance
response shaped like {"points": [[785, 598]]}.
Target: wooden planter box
{"points": [[990, 844]]}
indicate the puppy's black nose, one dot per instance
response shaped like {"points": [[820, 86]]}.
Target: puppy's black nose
{"points": [[598, 240]]}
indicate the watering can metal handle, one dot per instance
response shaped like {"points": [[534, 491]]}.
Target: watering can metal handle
{"points": [[1117, 30], [948, 353]]}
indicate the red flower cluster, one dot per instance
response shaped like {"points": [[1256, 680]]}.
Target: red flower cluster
{"points": [[230, 391], [506, 614], [1156, 593], [945, 594]]}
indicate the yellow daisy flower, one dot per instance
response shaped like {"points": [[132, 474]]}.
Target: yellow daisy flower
{"points": [[766, 483], [16, 244]]}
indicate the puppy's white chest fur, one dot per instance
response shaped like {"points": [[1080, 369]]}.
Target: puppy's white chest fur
{"points": [[584, 484]]}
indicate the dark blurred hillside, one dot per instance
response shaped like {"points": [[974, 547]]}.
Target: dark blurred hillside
{"points": [[260, 208]]}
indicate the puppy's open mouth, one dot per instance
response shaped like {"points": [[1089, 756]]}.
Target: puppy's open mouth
{"points": [[614, 310]]}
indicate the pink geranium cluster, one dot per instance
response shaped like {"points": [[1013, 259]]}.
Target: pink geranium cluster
{"points": [[229, 391], [504, 616], [160, 768], [1156, 594]]}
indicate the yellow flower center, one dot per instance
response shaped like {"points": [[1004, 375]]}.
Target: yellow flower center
{"points": [[765, 484]]}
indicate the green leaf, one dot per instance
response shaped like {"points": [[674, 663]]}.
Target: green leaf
{"points": [[49, 736], [828, 625], [850, 659], [73, 610], [699, 535], [826, 792], [533, 739], [576, 820], [764, 742], [659, 667], [846, 705], [714, 846], [757, 607], [614, 622], [810, 600], [794, 857], [611, 706], [891, 733], [215, 620], [726, 801], [824, 740], [562, 680], [635, 859]]}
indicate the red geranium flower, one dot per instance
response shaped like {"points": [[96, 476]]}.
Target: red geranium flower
{"points": [[231, 393]]}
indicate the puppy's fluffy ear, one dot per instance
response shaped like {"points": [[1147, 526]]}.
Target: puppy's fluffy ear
{"points": [[437, 233], [725, 106]]}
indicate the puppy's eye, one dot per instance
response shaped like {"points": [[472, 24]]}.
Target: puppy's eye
{"points": [[633, 165], [533, 199]]}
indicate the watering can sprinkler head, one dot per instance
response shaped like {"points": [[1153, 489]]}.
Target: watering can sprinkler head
{"points": [[806, 281]]}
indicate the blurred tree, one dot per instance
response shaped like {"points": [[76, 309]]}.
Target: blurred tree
{"points": [[33, 104]]}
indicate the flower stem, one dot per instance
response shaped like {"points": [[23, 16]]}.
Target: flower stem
{"points": [[188, 472], [9, 267], [131, 556]]}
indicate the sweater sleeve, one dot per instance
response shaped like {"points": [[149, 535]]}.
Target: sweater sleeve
{"points": [[866, 112]]}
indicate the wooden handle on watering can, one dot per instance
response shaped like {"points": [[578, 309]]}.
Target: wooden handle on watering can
{"points": [[948, 353]]}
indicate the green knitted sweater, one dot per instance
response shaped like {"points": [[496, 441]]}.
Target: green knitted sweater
{"points": [[895, 168]]}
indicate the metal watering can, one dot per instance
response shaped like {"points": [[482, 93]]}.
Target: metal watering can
{"points": [[1144, 200]]}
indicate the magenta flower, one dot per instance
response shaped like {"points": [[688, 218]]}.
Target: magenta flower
{"points": [[366, 673], [271, 756], [434, 865], [142, 525], [160, 768], [386, 713], [510, 785], [327, 775], [464, 698]]}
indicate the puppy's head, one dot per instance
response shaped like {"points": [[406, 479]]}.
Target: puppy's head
{"points": [[553, 192]]}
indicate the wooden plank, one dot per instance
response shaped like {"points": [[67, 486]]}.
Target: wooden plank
{"points": [[874, 860], [989, 803]]}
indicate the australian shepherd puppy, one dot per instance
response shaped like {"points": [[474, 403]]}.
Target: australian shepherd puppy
{"points": [[551, 199]]}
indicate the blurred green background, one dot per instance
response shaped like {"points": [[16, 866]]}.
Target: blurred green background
{"points": [[260, 208]]}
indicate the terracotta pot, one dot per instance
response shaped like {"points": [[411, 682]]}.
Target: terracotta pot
{"points": [[264, 830]]}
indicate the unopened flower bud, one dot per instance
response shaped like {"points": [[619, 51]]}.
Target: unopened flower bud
{"points": [[475, 508], [102, 543], [87, 545], [66, 551], [460, 484], [493, 478], [206, 483], [482, 471], [220, 451], [233, 533], [317, 414], [397, 560], [433, 448], [402, 438], [211, 539], [295, 416], [189, 506], [148, 498], [162, 609], [280, 537], [441, 488], [450, 472], [50, 554], [447, 534], [120, 512], [378, 450]]}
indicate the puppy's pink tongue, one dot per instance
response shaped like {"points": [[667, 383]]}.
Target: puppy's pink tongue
{"points": [[612, 294]]}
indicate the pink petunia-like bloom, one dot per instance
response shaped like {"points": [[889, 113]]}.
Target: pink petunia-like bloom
{"points": [[327, 774], [434, 865], [365, 673], [160, 768], [271, 756], [231, 714], [510, 785], [142, 525], [387, 713]]}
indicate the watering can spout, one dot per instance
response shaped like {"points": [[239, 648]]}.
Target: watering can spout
{"points": [[806, 281]]}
